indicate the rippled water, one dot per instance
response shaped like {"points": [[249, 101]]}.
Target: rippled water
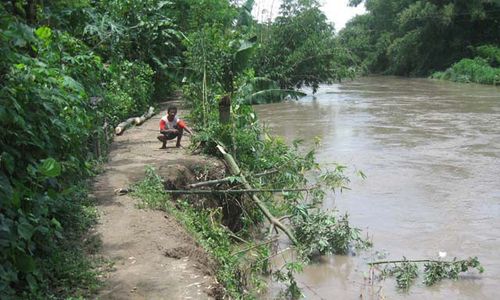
{"points": [[431, 153]]}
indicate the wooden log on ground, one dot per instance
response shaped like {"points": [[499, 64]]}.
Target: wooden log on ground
{"points": [[124, 125], [134, 121], [145, 116], [235, 170]]}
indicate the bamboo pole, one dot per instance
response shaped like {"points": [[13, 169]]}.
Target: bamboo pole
{"points": [[236, 191], [408, 260], [235, 170]]}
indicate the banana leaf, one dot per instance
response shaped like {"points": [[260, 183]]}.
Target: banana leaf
{"points": [[271, 96]]}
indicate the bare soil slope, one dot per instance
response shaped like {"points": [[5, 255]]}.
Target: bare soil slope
{"points": [[154, 257]]}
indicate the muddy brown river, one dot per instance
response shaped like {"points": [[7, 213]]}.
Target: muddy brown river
{"points": [[431, 154]]}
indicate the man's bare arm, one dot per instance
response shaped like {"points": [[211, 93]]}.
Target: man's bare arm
{"points": [[188, 130]]}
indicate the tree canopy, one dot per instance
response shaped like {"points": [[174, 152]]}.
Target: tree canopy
{"points": [[417, 37]]}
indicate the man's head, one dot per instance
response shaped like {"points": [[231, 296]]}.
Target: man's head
{"points": [[171, 112]]}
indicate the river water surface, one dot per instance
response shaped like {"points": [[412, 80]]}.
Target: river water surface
{"points": [[431, 154]]}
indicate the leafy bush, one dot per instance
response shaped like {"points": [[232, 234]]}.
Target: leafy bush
{"points": [[490, 53], [128, 90], [320, 233], [471, 70], [48, 122]]}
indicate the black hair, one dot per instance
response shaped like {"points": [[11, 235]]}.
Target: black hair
{"points": [[172, 107]]}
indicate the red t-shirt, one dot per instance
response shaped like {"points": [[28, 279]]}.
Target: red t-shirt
{"points": [[165, 124]]}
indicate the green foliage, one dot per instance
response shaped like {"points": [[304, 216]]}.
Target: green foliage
{"points": [[416, 37], [206, 226], [320, 233], [471, 70], [406, 271], [151, 192], [490, 53], [129, 90], [56, 95], [436, 271], [299, 48], [292, 290], [259, 90]]}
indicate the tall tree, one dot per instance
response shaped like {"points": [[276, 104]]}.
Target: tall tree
{"points": [[299, 48], [415, 37]]}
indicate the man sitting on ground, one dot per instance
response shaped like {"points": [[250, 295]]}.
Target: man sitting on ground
{"points": [[172, 127]]}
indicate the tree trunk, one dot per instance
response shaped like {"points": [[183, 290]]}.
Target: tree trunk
{"points": [[30, 11], [235, 170], [225, 110]]}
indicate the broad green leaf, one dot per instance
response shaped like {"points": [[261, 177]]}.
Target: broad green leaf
{"points": [[24, 262], [56, 223], [272, 95], [50, 167], [25, 229], [44, 33], [72, 84]]}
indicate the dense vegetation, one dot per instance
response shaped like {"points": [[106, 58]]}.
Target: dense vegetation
{"points": [[69, 68], [418, 37]]}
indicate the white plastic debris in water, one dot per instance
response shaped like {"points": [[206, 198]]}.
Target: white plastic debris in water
{"points": [[442, 254]]}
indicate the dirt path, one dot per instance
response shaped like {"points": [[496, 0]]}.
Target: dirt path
{"points": [[140, 242]]}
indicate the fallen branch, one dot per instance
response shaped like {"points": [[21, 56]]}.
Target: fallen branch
{"points": [[226, 179], [237, 191], [209, 182], [410, 261], [235, 170], [120, 128]]}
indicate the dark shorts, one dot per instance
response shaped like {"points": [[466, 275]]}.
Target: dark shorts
{"points": [[170, 135]]}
